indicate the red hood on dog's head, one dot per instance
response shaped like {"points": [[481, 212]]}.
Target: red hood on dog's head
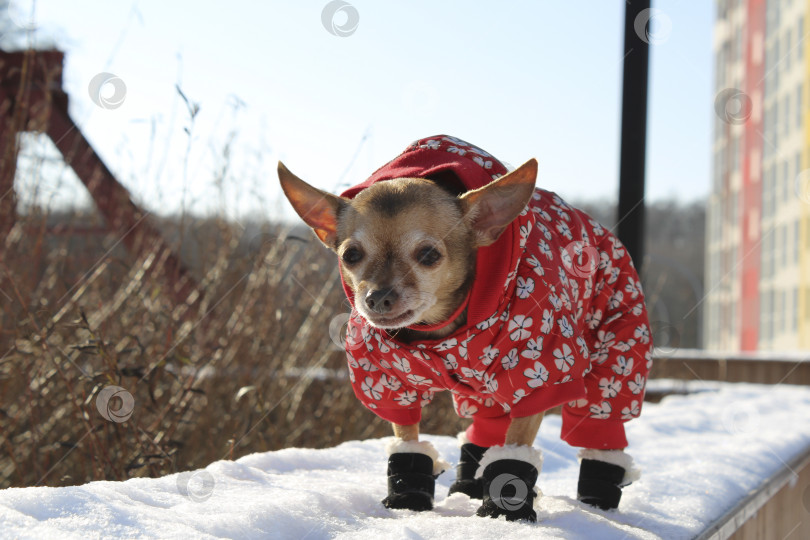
{"points": [[458, 166]]}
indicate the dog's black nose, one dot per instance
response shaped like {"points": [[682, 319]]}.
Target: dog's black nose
{"points": [[382, 300]]}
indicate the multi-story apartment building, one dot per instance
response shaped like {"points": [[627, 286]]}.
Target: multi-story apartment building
{"points": [[758, 226]]}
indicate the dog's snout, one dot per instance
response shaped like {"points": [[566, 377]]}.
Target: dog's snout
{"points": [[381, 300]]}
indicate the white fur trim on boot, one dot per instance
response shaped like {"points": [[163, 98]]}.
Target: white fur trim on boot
{"points": [[398, 446], [462, 438], [525, 453], [614, 457]]}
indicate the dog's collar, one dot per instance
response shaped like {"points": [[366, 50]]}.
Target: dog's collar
{"points": [[422, 327]]}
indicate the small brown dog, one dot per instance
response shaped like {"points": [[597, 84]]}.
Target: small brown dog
{"points": [[446, 257]]}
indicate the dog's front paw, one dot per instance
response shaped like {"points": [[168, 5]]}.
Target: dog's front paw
{"points": [[413, 500], [509, 474], [599, 484], [411, 483], [522, 511], [602, 475], [412, 470], [473, 488], [466, 482]]}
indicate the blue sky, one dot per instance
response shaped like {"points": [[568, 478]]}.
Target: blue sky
{"points": [[520, 79]]}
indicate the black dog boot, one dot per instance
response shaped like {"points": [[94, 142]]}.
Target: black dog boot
{"points": [[412, 471], [509, 474], [468, 461], [602, 475]]}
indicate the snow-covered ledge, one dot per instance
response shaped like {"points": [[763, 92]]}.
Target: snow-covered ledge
{"points": [[782, 502], [706, 457]]}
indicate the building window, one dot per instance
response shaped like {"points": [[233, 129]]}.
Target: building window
{"points": [[767, 66], [807, 303], [790, 246], [799, 111], [735, 154], [795, 314], [735, 317], [779, 323], [732, 209], [716, 171], [779, 313], [768, 16], [719, 74], [766, 133], [773, 190], [763, 256], [716, 186], [761, 318], [800, 36], [719, 132], [796, 242], [784, 247], [766, 191], [771, 251]]}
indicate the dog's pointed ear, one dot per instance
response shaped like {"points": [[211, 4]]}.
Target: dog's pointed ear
{"points": [[491, 208], [317, 208]]}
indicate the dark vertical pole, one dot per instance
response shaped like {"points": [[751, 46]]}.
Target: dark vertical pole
{"points": [[634, 130]]}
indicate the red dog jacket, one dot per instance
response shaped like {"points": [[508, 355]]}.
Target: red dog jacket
{"points": [[555, 316]]}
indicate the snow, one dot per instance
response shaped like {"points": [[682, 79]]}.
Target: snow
{"points": [[700, 454], [759, 356]]}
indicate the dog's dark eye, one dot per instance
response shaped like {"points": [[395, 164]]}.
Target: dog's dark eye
{"points": [[428, 256], [352, 256]]}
